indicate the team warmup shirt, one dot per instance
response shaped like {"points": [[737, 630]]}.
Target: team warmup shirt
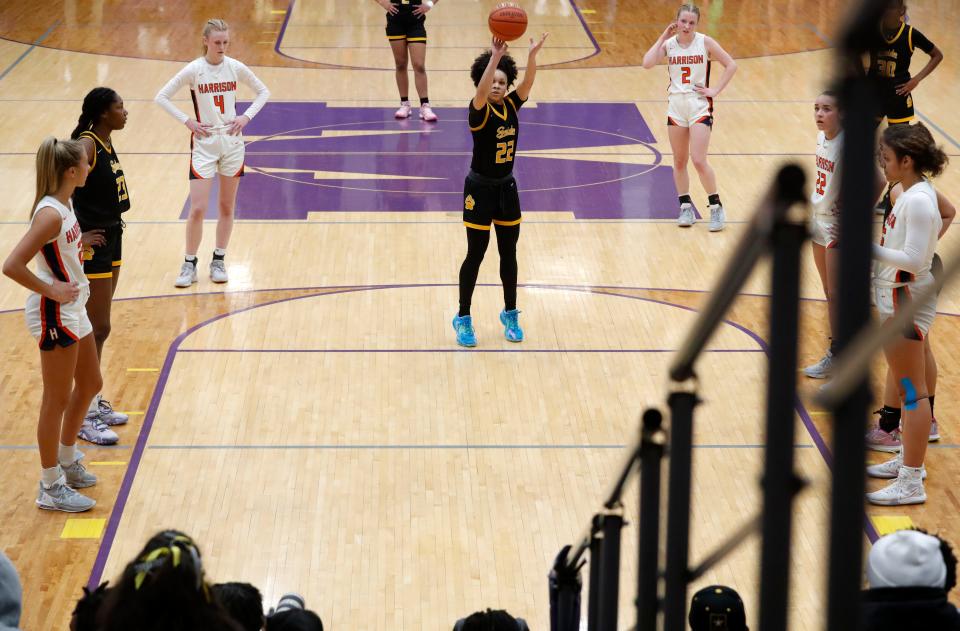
{"points": [[214, 92], [688, 66], [909, 237], [826, 189]]}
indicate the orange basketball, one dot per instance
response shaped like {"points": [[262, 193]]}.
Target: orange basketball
{"points": [[508, 21]]}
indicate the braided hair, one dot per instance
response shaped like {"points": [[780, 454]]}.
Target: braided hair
{"points": [[97, 101]]}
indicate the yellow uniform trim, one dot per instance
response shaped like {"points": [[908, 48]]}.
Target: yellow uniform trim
{"points": [[507, 223], [100, 275], [499, 115], [475, 226], [396, 37], [894, 121], [910, 38], [897, 36], [93, 136], [117, 263], [417, 39], [486, 115]]}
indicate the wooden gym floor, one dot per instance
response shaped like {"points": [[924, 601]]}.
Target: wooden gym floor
{"points": [[312, 424]]}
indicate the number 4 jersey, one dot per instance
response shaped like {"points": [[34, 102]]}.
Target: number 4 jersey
{"points": [[214, 91]]}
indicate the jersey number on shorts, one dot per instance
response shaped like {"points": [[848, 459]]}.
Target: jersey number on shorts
{"points": [[122, 188], [218, 101], [821, 182], [504, 152], [684, 74]]}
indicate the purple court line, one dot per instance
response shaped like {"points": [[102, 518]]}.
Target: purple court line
{"points": [[106, 543], [459, 350]]}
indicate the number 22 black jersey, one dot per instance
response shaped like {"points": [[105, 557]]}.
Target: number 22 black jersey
{"points": [[496, 131]]}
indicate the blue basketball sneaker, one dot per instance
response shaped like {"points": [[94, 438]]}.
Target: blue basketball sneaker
{"points": [[463, 325], [511, 325]]}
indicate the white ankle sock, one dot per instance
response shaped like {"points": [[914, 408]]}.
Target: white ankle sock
{"points": [[94, 405], [68, 454], [220, 252], [49, 476], [913, 474]]}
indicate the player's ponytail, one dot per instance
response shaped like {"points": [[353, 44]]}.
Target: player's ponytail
{"points": [[691, 7], [54, 157], [97, 101], [917, 142], [212, 25]]}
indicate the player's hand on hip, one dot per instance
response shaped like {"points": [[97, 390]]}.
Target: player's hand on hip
{"points": [[64, 292], [390, 8], [707, 92], [906, 88], [421, 9], [536, 46], [198, 128], [92, 238], [237, 125]]}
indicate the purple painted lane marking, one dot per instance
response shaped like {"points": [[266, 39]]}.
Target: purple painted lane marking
{"points": [[295, 167], [106, 543], [459, 350]]}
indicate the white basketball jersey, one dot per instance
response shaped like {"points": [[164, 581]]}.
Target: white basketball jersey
{"points": [[61, 258], [214, 91], [689, 67], [826, 188], [919, 198]]}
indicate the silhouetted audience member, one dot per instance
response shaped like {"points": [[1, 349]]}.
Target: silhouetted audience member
{"points": [[291, 614], [11, 595], [84, 617], [910, 573], [491, 620], [243, 602], [164, 589], [717, 608]]}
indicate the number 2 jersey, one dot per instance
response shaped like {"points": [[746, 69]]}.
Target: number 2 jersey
{"points": [[689, 66], [496, 131], [104, 197], [214, 91]]}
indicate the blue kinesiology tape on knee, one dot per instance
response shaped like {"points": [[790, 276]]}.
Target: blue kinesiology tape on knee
{"points": [[909, 394]]}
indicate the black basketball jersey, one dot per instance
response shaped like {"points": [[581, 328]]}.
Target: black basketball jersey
{"points": [[890, 58], [99, 203], [496, 131]]}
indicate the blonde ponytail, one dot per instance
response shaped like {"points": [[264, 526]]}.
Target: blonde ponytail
{"points": [[54, 157], [212, 25]]}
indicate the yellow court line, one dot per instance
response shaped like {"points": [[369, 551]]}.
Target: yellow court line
{"points": [[269, 42], [818, 413], [107, 463], [586, 11], [83, 528], [892, 523], [131, 413], [143, 370], [278, 11]]}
